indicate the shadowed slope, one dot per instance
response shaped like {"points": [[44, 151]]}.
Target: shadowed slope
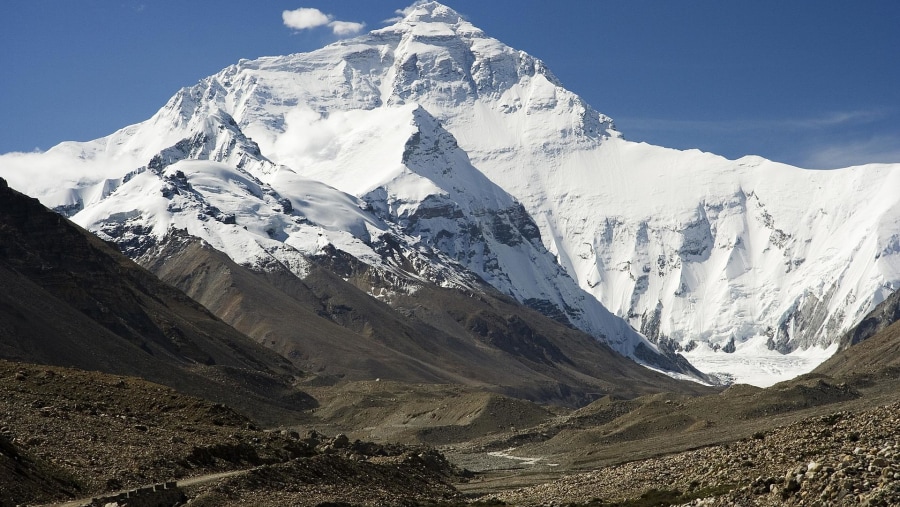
{"points": [[70, 299]]}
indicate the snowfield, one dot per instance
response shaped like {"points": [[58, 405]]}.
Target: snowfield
{"points": [[755, 364]]}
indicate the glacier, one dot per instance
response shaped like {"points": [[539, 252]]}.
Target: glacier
{"points": [[473, 156]]}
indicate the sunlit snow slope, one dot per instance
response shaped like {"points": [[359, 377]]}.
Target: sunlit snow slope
{"points": [[473, 154]]}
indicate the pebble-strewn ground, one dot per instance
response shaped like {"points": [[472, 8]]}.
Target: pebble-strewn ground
{"points": [[77, 433], [412, 478], [108, 432], [839, 459]]}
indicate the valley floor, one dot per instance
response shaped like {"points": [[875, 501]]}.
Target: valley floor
{"points": [[812, 441], [841, 458]]}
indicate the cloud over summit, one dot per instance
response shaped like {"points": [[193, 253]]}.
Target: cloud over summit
{"points": [[306, 18]]}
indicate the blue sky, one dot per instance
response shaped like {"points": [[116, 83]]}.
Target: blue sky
{"points": [[814, 83]]}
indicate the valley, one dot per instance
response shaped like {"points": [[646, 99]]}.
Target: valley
{"points": [[835, 438]]}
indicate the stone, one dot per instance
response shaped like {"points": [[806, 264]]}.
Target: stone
{"points": [[341, 441], [792, 486]]}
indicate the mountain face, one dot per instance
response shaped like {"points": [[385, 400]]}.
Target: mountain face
{"points": [[435, 154]]}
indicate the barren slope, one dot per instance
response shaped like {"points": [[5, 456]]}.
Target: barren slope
{"points": [[330, 325], [70, 299]]}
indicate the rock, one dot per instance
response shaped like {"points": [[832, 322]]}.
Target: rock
{"points": [[790, 487], [340, 442], [113, 484]]}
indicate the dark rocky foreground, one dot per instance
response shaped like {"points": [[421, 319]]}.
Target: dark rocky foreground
{"points": [[409, 478], [68, 434]]}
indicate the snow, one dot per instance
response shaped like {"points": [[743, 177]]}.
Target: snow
{"points": [[436, 134], [755, 364], [506, 454]]}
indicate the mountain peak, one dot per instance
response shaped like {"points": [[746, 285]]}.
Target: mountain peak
{"points": [[430, 12], [431, 19]]}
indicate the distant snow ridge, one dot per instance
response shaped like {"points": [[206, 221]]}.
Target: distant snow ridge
{"points": [[473, 160]]}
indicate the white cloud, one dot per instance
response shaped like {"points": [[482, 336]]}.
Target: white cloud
{"points": [[400, 14], [875, 150], [826, 141], [825, 121], [838, 119], [305, 18], [346, 27], [51, 175]]}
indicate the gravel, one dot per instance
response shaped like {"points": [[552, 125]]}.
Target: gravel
{"points": [[838, 459]]}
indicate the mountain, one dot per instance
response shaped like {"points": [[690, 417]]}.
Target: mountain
{"points": [[430, 218], [425, 215], [438, 155], [69, 299]]}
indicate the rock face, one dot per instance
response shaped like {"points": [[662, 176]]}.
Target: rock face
{"points": [[428, 138], [328, 326], [882, 317]]}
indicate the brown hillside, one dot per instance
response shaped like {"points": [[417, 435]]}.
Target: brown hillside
{"points": [[328, 325], [70, 299]]}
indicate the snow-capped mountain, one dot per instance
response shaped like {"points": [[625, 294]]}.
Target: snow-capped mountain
{"points": [[470, 161]]}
